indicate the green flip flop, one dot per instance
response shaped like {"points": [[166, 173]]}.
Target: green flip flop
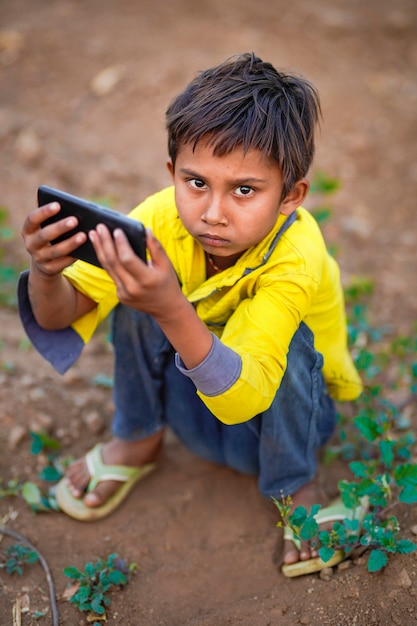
{"points": [[335, 512], [127, 476]]}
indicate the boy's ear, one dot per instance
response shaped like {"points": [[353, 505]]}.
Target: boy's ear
{"points": [[170, 168], [296, 197]]}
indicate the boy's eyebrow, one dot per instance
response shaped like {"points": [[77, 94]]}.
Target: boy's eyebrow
{"points": [[246, 180]]}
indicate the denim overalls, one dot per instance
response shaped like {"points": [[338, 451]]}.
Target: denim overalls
{"points": [[279, 445]]}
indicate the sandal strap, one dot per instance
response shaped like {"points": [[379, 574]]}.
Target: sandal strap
{"points": [[99, 472], [334, 512]]}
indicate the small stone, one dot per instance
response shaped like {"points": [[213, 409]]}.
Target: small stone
{"points": [[106, 80], [28, 146], [305, 619], [11, 42], [80, 400], [16, 435], [72, 378], [414, 529], [61, 433], [75, 428], [42, 460], [37, 393], [42, 422], [404, 579], [344, 565], [326, 574], [94, 422], [26, 381]]}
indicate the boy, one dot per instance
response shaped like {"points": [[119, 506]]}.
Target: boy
{"points": [[234, 331]]}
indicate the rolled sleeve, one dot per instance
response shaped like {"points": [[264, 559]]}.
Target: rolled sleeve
{"points": [[60, 347], [217, 373]]}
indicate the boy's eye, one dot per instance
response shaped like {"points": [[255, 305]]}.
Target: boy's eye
{"points": [[197, 183], [244, 190]]}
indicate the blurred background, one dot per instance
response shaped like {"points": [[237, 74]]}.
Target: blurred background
{"points": [[84, 87]]}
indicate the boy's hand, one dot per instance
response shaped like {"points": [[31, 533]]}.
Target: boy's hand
{"points": [[152, 288], [50, 259]]}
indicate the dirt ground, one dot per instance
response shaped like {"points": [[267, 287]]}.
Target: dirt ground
{"points": [[83, 90]]}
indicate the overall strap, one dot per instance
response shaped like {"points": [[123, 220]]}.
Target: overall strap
{"points": [[290, 220]]}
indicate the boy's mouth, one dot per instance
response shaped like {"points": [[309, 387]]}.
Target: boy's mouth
{"points": [[212, 240]]}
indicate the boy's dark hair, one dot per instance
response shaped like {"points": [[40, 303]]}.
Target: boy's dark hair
{"points": [[245, 102]]}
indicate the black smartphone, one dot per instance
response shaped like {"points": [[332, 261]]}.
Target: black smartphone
{"points": [[89, 215]]}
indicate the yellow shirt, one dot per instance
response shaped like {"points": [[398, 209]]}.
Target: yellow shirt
{"points": [[254, 307]]}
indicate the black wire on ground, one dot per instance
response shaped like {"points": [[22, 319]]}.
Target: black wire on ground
{"points": [[54, 607]]}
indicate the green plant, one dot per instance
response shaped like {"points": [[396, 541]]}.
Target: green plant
{"points": [[12, 489], [8, 273], [17, 556], [374, 437], [383, 480], [26, 552], [38, 500], [95, 582], [321, 187]]}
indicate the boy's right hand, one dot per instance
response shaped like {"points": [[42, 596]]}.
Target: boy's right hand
{"points": [[50, 259]]}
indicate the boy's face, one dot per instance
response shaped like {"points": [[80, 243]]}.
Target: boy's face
{"points": [[229, 203]]}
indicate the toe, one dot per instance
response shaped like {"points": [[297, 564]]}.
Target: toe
{"points": [[290, 553], [101, 493]]}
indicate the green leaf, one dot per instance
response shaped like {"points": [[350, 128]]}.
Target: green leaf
{"points": [[324, 184], [7, 234], [326, 553], [31, 557], [298, 516], [406, 475], [82, 596], [321, 214], [101, 380], [37, 445], [42, 441], [364, 360], [404, 546], [387, 452], [309, 529], [408, 495], [96, 604], [50, 474], [117, 578], [31, 494], [368, 427], [349, 494], [90, 569], [72, 572], [377, 560], [359, 469]]}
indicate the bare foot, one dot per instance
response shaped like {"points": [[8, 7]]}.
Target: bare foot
{"points": [[114, 452], [309, 494]]}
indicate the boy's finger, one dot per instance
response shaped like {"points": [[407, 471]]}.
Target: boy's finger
{"points": [[105, 248], [39, 215], [157, 252]]}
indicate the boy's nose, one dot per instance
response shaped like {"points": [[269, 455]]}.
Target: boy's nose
{"points": [[214, 211]]}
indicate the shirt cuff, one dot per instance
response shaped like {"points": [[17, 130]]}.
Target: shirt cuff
{"points": [[60, 347], [217, 373]]}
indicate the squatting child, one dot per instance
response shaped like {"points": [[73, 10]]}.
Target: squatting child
{"points": [[234, 332]]}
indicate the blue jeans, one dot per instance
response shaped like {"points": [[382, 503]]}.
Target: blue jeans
{"points": [[279, 445]]}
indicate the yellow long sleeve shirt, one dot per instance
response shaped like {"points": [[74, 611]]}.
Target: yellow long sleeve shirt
{"points": [[254, 312], [254, 307]]}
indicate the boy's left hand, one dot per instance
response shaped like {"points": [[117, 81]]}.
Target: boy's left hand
{"points": [[152, 288]]}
